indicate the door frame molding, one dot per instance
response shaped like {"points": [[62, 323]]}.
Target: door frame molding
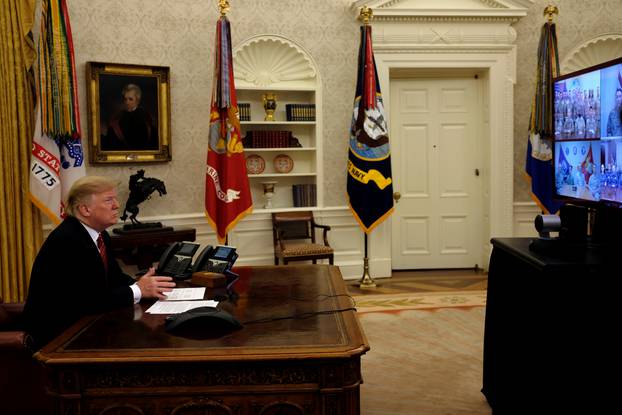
{"points": [[479, 141], [500, 66], [419, 35]]}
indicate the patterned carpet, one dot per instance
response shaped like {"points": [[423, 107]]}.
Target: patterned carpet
{"points": [[419, 301], [426, 353]]}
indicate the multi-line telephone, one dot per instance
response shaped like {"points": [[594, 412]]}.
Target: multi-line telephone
{"points": [[176, 261], [219, 259]]}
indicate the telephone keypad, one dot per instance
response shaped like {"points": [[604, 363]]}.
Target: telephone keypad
{"points": [[178, 266], [217, 266]]}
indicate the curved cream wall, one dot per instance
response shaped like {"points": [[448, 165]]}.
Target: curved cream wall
{"points": [[180, 34], [576, 23]]}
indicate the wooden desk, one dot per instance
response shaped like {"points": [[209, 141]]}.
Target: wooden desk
{"points": [[144, 248], [122, 363], [548, 328]]}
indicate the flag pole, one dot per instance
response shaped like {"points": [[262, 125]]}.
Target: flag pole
{"points": [[223, 5], [366, 280]]}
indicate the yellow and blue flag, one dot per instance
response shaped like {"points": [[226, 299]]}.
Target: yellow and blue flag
{"points": [[539, 164], [370, 188]]}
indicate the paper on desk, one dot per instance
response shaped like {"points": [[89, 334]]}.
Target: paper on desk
{"points": [[185, 294], [176, 307]]}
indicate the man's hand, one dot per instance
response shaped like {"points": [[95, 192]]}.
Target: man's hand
{"points": [[152, 286]]}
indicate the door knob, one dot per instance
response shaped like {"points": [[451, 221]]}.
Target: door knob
{"points": [[397, 196]]}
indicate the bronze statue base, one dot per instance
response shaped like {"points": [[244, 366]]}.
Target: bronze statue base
{"points": [[142, 227]]}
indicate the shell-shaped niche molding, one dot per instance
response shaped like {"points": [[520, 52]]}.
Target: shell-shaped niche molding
{"points": [[597, 50], [273, 61]]}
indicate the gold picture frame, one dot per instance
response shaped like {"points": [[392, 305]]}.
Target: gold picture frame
{"points": [[129, 113]]}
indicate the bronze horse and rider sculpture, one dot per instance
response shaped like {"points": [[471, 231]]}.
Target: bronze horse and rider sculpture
{"points": [[141, 189]]}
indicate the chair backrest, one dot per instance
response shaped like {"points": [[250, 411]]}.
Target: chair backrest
{"points": [[22, 384], [11, 316], [293, 225]]}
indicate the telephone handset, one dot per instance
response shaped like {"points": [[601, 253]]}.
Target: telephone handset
{"points": [[176, 261], [219, 259]]}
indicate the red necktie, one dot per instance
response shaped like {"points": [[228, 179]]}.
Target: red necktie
{"points": [[102, 251]]}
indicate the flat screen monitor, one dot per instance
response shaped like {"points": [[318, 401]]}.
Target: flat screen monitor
{"points": [[587, 115]]}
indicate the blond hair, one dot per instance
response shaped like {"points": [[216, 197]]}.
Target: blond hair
{"points": [[84, 188]]}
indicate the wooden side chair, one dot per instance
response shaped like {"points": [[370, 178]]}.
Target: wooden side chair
{"points": [[294, 238]]}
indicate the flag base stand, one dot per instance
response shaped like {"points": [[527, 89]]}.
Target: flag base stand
{"points": [[366, 280]]}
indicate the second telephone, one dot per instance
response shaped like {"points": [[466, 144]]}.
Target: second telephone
{"points": [[177, 260], [219, 259]]}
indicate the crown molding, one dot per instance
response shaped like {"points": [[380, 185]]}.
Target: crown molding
{"points": [[442, 35], [429, 10], [449, 50]]}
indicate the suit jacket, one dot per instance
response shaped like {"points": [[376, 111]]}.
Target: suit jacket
{"points": [[68, 281]]}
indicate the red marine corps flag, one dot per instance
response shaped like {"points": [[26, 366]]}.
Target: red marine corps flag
{"points": [[227, 193]]}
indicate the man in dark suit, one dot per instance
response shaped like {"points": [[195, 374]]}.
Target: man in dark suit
{"points": [[75, 273]]}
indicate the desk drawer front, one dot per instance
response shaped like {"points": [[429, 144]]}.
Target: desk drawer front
{"points": [[290, 388]]}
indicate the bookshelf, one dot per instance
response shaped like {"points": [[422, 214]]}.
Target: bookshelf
{"points": [[274, 65]]}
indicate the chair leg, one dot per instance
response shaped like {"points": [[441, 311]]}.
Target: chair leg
{"points": [[276, 260], [314, 261], [331, 260]]}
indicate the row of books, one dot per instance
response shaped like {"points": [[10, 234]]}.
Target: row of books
{"points": [[304, 195], [300, 112], [269, 139], [293, 112], [245, 111]]}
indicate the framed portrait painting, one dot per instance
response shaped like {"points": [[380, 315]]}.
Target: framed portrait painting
{"points": [[129, 113]]}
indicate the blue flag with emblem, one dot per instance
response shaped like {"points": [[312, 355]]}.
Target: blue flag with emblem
{"points": [[539, 165], [370, 189]]}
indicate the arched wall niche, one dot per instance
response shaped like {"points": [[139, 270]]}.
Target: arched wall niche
{"points": [[273, 61], [597, 50]]}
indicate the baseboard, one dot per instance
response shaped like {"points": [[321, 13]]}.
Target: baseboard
{"points": [[524, 215]]}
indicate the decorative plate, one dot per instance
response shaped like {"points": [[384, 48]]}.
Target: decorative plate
{"points": [[255, 164], [283, 163]]}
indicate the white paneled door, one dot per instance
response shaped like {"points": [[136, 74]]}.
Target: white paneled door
{"points": [[436, 146]]}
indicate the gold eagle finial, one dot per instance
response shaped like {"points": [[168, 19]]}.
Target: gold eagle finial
{"points": [[223, 5], [549, 11], [365, 15]]}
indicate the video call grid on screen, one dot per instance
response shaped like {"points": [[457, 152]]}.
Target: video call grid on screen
{"points": [[589, 170], [588, 105], [587, 116]]}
